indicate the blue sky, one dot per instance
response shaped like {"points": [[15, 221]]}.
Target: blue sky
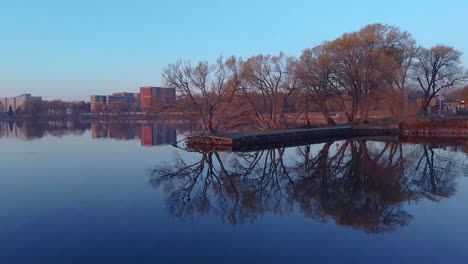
{"points": [[72, 49]]}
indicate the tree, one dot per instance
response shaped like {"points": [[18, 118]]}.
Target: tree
{"points": [[33, 108], [405, 56], [119, 107], [56, 107], [207, 92], [77, 107], [436, 69], [10, 111], [314, 74], [364, 64], [369, 69], [268, 82]]}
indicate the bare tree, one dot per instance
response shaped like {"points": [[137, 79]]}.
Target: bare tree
{"points": [[315, 79], [77, 107], [436, 69], [56, 107], [206, 91], [33, 108], [405, 54], [365, 70], [267, 84], [119, 107]]}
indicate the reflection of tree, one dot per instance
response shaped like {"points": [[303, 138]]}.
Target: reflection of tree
{"points": [[265, 183], [432, 181], [359, 184], [192, 185], [252, 185], [35, 129], [115, 130], [354, 189]]}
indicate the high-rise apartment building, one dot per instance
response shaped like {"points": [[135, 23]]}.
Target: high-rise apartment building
{"points": [[152, 96], [132, 99], [14, 103]]}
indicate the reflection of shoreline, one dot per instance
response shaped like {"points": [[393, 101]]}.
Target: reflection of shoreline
{"points": [[359, 184], [26, 130], [119, 131], [149, 133]]}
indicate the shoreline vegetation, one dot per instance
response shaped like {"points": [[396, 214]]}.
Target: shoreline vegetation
{"points": [[437, 127], [377, 69], [432, 130], [377, 76]]}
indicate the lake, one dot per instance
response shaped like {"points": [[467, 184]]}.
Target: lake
{"points": [[130, 193]]}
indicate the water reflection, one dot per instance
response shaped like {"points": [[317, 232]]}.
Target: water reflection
{"points": [[360, 184], [30, 130], [149, 133], [153, 135], [121, 131]]}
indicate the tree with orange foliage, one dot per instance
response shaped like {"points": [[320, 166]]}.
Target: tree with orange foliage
{"points": [[365, 63]]}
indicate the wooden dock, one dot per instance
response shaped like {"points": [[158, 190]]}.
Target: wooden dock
{"points": [[282, 138]]}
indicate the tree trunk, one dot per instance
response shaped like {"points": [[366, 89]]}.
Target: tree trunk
{"points": [[364, 109], [427, 103], [326, 114]]}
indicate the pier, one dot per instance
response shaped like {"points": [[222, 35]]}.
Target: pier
{"points": [[251, 141]]}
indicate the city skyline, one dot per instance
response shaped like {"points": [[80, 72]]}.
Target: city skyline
{"points": [[69, 51]]}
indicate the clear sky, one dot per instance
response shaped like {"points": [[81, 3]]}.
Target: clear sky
{"points": [[71, 49]]}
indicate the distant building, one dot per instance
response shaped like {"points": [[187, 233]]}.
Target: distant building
{"points": [[97, 100], [14, 103], [132, 99], [152, 96], [462, 105]]}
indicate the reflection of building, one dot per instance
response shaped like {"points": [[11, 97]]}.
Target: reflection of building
{"points": [[11, 129], [158, 134], [151, 96], [13, 103], [132, 100], [29, 130], [115, 130]]}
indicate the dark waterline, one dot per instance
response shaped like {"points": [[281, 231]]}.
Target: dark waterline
{"points": [[121, 193]]}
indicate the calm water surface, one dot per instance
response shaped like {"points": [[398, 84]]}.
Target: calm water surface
{"points": [[121, 193]]}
